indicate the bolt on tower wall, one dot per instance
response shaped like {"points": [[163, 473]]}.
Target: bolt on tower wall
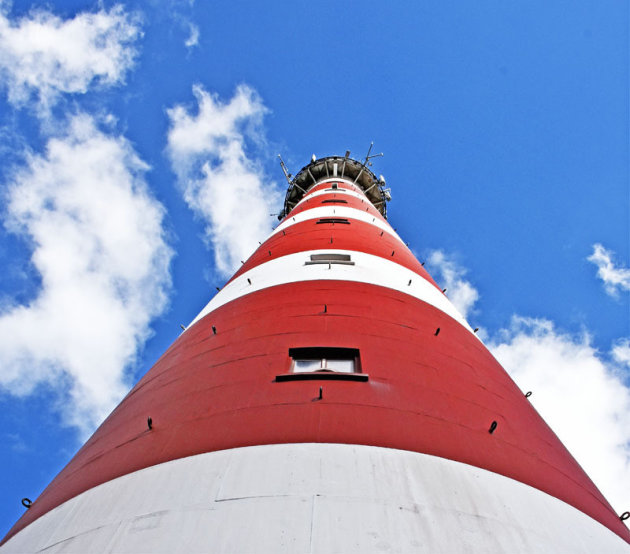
{"points": [[328, 398]]}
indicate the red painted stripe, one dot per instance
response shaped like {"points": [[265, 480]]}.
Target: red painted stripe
{"points": [[327, 184], [340, 184], [358, 236], [426, 393], [324, 201]]}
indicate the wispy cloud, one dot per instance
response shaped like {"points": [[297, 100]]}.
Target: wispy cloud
{"points": [[42, 55], [193, 37], [98, 243], [451, 275], [621, 353], [579, 392], [224, 186], [15, 442], [615, 277]]}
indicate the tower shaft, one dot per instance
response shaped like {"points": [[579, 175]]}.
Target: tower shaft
{"points": [[328, 398]]}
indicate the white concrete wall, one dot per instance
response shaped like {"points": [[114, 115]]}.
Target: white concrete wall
{"points": [[314, 498]]}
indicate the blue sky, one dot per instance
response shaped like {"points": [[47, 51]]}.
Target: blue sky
{"points": [[505, 132]]}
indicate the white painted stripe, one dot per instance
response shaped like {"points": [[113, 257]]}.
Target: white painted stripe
{"points": [[344, 193], [336, 211], [314, 498], [367, 269]]}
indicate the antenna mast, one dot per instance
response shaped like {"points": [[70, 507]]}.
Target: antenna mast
{"points": [[368, 157], [285, 170]]}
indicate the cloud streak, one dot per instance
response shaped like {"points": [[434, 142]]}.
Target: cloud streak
{"points": [[452, 276], [42, 55], [616, 278], [224, 187], [193, 37], [100, 249]]}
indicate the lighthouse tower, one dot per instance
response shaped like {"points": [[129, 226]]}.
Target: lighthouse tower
{"points": [[329, 398]]}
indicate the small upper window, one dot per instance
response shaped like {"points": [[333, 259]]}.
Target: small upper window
{"points": [[333, 220], [330, 258], [334, 201]]}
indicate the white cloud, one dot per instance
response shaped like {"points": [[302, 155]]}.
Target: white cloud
{"points": [[580, 395], [221, 184], [451, 276], [193, 38], [621, 352], [583, 395], [615, 277], [99, 246], [42, 55]]}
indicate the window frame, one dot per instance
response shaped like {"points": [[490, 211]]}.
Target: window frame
{"points": [[333, 220], [324, 353], [330, 258]]}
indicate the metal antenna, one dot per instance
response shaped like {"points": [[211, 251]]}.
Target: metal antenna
{"points": [[285, 170], [368, 157]]}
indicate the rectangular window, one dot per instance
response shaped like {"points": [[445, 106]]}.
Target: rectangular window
{"points": [[341, 259], [331, 363], [324, 364], [334, 201], [333, 220]]}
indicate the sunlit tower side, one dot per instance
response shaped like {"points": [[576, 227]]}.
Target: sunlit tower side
{"points": [[328, 398]]}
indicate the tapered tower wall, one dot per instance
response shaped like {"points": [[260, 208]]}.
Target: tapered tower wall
{"points": [[328, 398]]}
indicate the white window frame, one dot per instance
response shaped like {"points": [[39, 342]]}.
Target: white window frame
{"points": [[324, 359]]}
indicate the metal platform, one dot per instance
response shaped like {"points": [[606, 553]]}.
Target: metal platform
{"points": [[343, 168]]}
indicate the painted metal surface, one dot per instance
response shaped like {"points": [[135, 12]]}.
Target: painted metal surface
{"points": [[324, 170], [341, 183], [343, 193], [334, 201], [433, 387], [314, 498], [367, 268], [426, 393], [357, 237], [340, 212]]}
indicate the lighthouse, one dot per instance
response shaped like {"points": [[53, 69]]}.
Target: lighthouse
{"points": [[329, 398]]}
